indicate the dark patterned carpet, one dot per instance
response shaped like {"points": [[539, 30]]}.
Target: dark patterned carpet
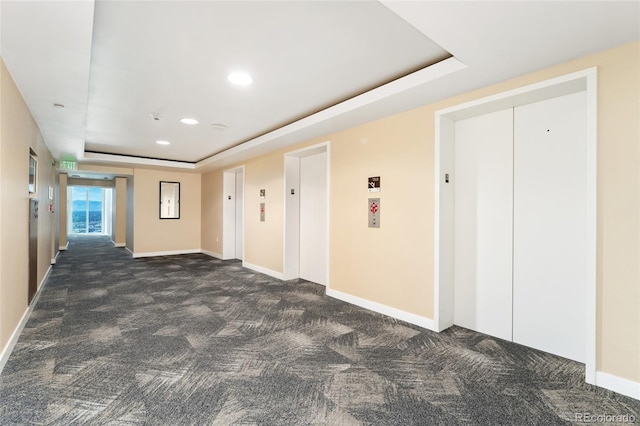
{"points": [[194, 340]]}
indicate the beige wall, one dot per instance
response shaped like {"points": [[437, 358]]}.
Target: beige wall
{"points": [[129, 215], [393, 265], [119, 230], [265, 239], [152, 234], [18, 134], [212, 212]]}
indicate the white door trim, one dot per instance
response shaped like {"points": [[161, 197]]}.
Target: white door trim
{"points": [[444, 208], [291, 249]]}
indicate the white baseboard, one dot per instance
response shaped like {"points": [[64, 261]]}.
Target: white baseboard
{"points": [[6, 351], [618, 384], [262, 270], [42, 282], [64, 247], [383, 309], [55, 258], [118, 244], [212, 254], [165, 253]]}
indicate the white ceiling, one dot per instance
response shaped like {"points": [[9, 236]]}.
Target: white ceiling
{"points": [[113, 64]]}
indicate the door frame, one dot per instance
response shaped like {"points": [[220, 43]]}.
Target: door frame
{"points": [[229, 212], [585, 80], [291, 226]]}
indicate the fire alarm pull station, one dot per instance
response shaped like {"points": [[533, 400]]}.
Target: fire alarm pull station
{"points": [[374, 212], [261, 212]]}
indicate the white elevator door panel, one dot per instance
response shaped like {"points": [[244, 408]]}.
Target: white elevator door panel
{"points": [[550, 211], [313, 218], [483, 181], [239, 213]]}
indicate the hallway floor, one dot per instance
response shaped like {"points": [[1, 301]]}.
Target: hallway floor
{"points": [[194, 340]]}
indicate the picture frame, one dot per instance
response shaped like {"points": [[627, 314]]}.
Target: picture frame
{"points": [[33, 174], [169, 200]]}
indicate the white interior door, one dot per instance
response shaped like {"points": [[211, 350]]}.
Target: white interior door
{"points": [[313, 218], [483, 223], [550, 211], [239, 213]]}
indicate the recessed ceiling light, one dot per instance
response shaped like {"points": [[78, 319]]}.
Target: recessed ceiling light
{"points": [[163, 142], [188, 121], [240, 78], [217, 126]]}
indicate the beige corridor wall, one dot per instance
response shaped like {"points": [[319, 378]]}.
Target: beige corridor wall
{"points": [[152, 234], [18, 134], [393, 265], [212, 213], [120, 213], [265, 239]]}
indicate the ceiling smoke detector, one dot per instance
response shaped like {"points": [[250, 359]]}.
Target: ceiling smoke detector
{"points": [[218, 126]]}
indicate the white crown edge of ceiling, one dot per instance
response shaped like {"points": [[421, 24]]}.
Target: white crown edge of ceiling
{"points": [[136, 161], [273, 140]]}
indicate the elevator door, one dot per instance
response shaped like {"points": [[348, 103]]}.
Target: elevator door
{"points": [[550, 222], [520, 266], [483, 223], [239, 213], [313, 218], [33, 249]]}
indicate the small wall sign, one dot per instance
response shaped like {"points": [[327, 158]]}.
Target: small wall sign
{"points": [[262, 193], [374, 184]]}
